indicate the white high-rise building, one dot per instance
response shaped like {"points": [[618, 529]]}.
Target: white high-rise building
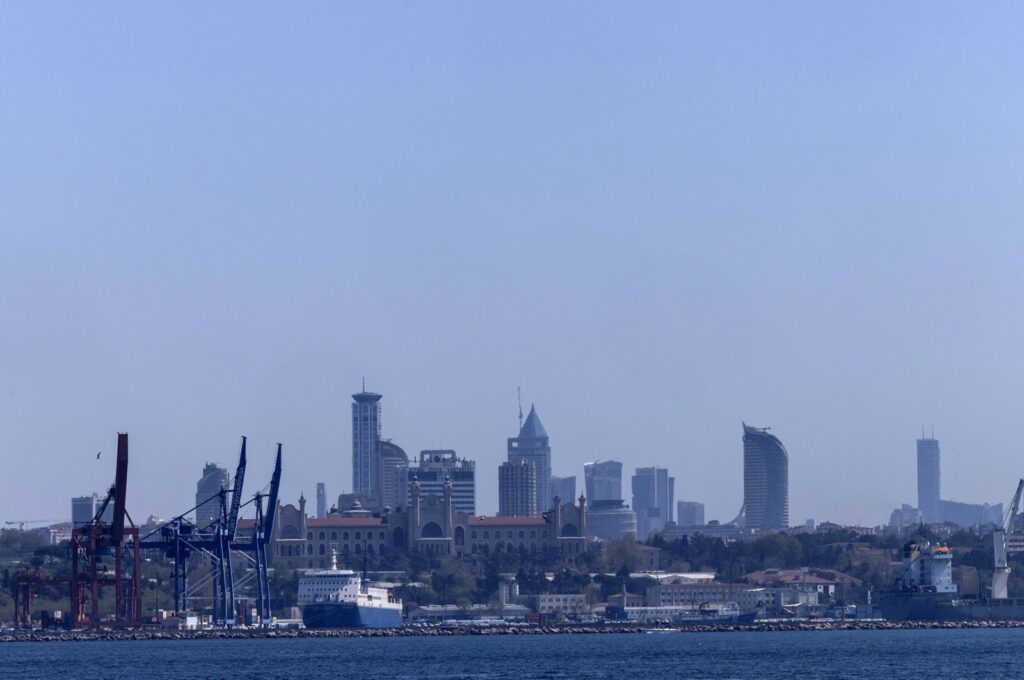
{"points": [[365, 443]]}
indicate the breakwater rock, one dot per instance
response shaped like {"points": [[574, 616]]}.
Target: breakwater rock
{"points": [[518, 629]]}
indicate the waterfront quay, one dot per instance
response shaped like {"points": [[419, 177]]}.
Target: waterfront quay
{"points": [[512, 630]]}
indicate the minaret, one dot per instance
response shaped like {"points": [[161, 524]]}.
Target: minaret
{"points": [[558, 517], [302, 505], [583, 516], [447, 507], [414, 512]]}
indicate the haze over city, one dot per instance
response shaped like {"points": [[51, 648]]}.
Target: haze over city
{"points": [[656, 225]]}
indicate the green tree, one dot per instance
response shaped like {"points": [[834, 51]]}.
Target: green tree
{"points": [[452, 584], [622, 555]]}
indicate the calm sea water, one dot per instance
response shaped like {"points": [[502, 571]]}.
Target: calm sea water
{"points": [[879, 655]]}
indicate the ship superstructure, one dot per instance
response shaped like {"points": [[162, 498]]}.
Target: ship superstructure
{"points": [[340, 598], [926, 568]]}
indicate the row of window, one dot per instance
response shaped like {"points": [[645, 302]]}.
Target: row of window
{"points": [[510, 534], [501, 547], [296, 550], [383, 549], [486, 535], [344, 535]]}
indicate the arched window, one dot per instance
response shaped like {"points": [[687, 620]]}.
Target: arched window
{"points": [[522, 534], [322, 535], [432, 530], [508, 534], [472, 548], [487, 534], [322, 550], [358, 535], [344, 535], [359, 549], [472, 534], [383, 549], [460, 536], [533, 533], [309, 549], [334, 535], [381, 536], [309, 536], [398, 537]]}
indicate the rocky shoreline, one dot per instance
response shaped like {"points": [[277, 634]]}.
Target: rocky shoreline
{"points": [[453, 631]]}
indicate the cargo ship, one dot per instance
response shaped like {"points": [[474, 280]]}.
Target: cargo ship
{"points": [[340, 598], [924, 591]]}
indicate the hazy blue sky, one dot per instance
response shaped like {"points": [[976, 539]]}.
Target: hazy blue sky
{"points": [[658, 219]]}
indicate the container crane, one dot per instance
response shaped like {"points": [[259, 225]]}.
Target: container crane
{"points": [[20, 523], [1001, 548]]}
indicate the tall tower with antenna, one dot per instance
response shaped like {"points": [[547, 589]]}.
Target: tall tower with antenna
{"points": [[532, 447], [519, 398]]}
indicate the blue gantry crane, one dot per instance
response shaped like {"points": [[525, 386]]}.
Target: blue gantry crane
{"points": [[180, 538]]}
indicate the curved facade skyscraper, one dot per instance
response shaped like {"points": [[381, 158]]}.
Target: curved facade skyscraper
{"points": [[765, 480]]}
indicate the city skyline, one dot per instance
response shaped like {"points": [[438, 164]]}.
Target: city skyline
{"points": [[628, 469], [658, 224]]}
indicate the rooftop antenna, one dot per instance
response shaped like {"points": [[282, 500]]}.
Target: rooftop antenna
{"points": [[364, 383], [519, 398]]}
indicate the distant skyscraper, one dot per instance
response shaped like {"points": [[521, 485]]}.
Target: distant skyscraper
{"points": [[517, 489], [392, 467], [321, 500], [603, 480], [437, 466], [765, 480], [689, 514], [564, 488], [653, 495], [928, 479], [365, 442], [208, 490], [84, 508], [532, 446]]}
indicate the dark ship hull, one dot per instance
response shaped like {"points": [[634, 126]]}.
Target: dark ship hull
{"points": [[917, 606], [349, 615]]}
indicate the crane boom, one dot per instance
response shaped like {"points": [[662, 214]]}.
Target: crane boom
{"points": [[236, 494], [120, 489], [275, 484], [1001, 570]]}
